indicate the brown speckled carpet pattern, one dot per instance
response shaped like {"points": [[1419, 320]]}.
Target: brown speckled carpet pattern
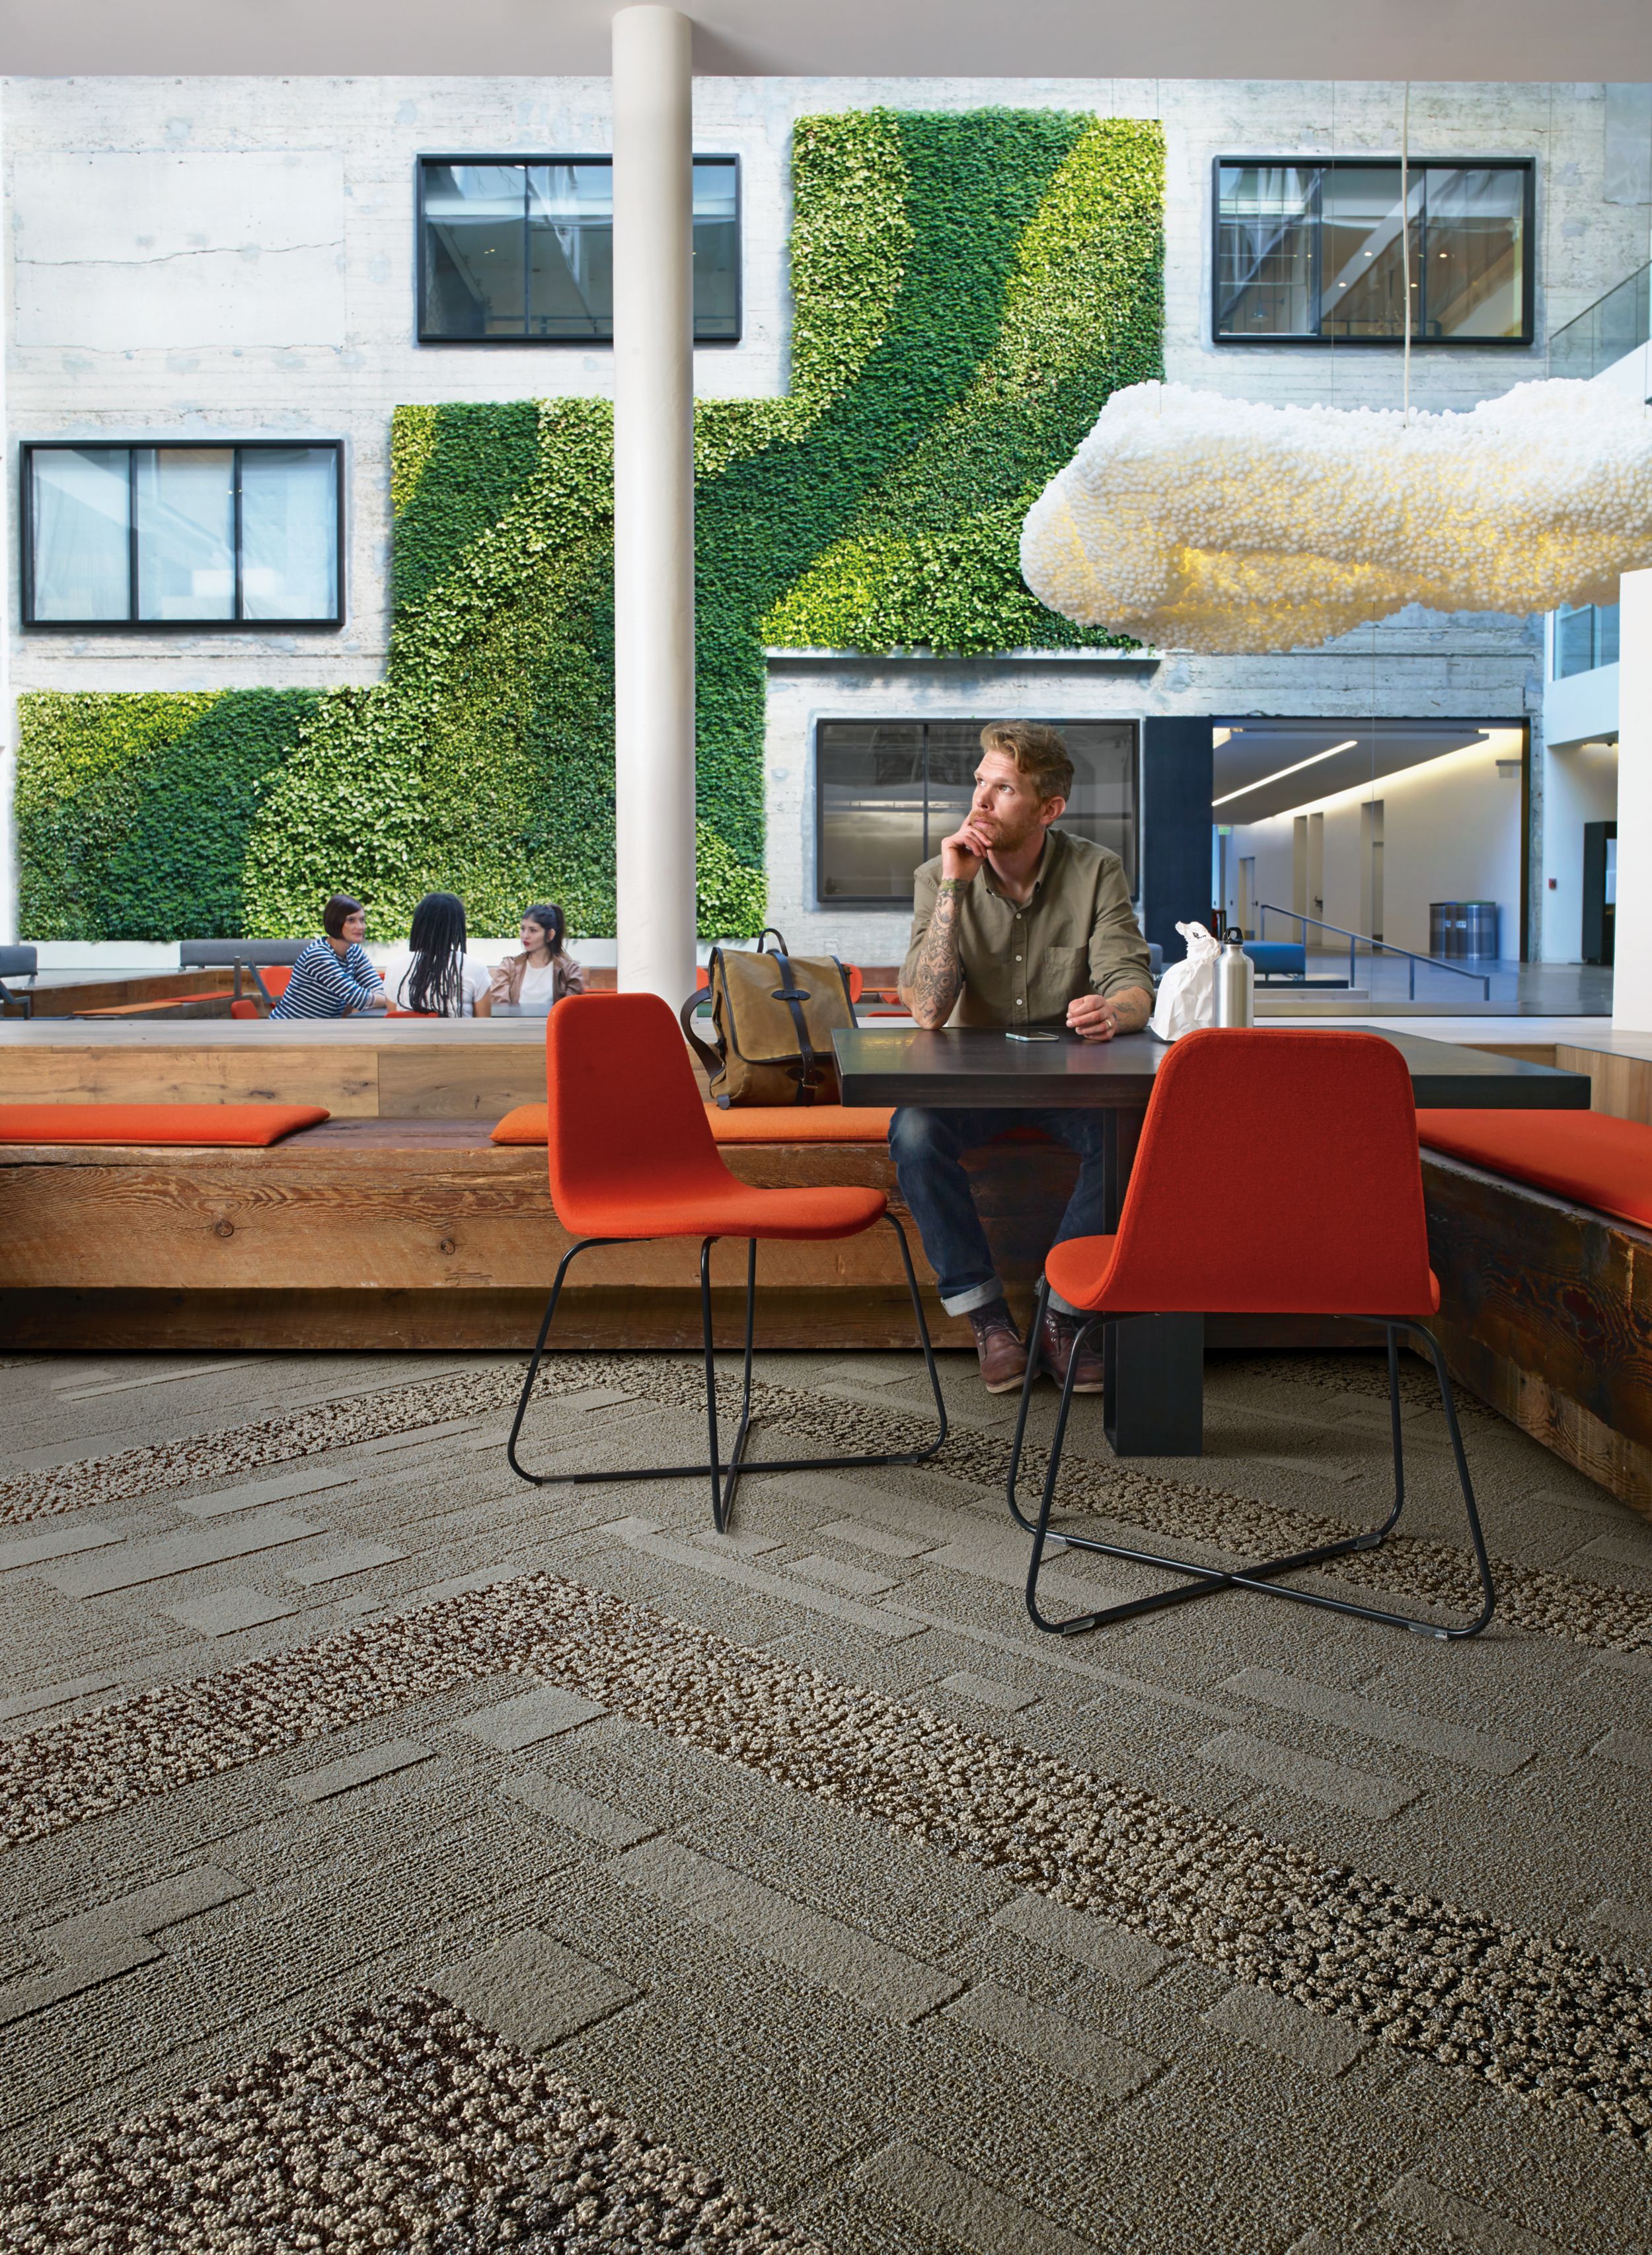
{"points": [[393, 1855]]}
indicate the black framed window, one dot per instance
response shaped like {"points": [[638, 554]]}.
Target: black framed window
{"points": [[1585, 637], [887, 791], [1311, 252], [177, 534], [520, 250]]}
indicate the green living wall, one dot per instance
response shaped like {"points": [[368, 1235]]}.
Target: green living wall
{"points": [[968, 289]]}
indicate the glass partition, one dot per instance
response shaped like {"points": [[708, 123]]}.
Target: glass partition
{"points": [[887, 791]]}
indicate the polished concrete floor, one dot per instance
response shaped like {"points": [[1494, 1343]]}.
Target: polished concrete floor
{"points": [[1393, 986], [400, 1856]]}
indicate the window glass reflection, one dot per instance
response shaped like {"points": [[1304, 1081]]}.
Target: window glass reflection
{"points": [[1265, 250], [81, 504], [289, 533], [186, 502], [474, 247], [570, 251], [524, 252], [888, 792], [1473, 277], [1363, 254], [1316, 252]]}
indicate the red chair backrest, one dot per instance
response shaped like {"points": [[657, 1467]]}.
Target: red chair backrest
{"points": [[624, 1114], [1277, 1172]]}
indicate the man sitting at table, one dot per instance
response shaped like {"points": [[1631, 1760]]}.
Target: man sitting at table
{"points": [[1016, 924]]}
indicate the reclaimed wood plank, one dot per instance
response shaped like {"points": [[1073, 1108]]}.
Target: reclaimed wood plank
{"points": [[345, 1080], [445, 1081], [1546, 1312]]}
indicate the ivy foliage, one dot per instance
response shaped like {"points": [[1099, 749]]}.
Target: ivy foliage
{"points": [[968, 288], [133, 811]]}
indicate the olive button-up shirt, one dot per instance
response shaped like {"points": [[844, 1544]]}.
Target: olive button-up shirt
{"points": [[1022, 964]]}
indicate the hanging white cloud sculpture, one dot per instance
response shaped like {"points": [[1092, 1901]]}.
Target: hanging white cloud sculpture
{"points": [[1201, 523]]}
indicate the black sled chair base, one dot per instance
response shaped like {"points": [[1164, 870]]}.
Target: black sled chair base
{"points": [[1209, 1581], [725, 1476]]}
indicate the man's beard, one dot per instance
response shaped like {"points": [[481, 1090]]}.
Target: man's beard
{"points": [[1007, 838]]}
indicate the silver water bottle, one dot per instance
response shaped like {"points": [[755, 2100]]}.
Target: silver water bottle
{"points": [[1235, 982]]}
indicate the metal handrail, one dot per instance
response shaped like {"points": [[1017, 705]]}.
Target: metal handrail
{"points": [[1357, 940]]}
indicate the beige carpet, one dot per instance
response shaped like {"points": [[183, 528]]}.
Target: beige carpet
{"points": [[397, 1856]]}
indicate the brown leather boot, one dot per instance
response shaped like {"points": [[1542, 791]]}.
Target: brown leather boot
{"points": [[1055, 1353], [1003, 1358]]}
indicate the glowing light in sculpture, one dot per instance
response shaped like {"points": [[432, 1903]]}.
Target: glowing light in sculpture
{"points": [[1208, 523]]}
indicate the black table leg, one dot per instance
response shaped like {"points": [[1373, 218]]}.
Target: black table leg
{"points": [[1155, 1400], [1154, 1405]]}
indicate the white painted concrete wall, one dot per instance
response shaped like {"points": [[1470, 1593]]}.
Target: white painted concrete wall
{"points": [[1451, 831], [1580, 786], [1583, 708], [230, 256]]}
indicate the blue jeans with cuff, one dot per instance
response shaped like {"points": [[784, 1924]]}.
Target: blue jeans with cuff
{"points": [[928, 1148]]}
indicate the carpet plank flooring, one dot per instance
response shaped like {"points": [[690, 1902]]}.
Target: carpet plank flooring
{"points": [[397, 1855]]}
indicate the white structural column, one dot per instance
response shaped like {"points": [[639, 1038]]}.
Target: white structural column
{"points": [[654, 501], [1632, 977]]}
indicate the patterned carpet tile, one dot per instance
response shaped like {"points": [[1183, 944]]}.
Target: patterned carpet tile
{"points": [[407, 2126], [1526, 2014], [1532, 1599]]}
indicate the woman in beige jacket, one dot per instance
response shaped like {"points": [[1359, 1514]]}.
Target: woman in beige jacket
{"points": [[544, 971]]}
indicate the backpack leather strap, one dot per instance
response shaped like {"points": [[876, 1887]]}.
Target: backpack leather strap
{"points": [[794, 997], [703, 1051]]}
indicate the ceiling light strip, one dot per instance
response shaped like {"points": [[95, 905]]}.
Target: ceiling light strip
{"points": [[1263, 782]]}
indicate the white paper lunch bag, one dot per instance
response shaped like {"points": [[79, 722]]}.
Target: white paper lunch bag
{"points": [[1187, 992]]}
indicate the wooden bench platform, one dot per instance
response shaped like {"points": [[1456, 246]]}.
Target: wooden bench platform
{"points": [[399, 1223], [1546, 1314], [377, 1232]]}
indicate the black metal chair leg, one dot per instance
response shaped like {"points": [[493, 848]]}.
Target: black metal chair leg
{"points": [[536, 1357], [918, 1317], [1034, 1346], [1476, 1535], [737, 1467], [1046, 1501], [712, 1467], [1207, 1581]]}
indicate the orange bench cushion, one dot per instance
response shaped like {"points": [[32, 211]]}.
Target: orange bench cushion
{"points": [[155, 1123], [1587, 1156], [748, 1123], [165, 1002]]}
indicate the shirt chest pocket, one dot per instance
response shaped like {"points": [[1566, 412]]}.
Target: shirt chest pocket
{"points": [[1064, 969]]}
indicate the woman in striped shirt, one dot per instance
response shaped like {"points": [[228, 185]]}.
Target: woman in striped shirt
{"points": [[331, 977]]}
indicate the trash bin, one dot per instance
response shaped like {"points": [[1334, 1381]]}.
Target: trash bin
{"points": [[1463, 928]]}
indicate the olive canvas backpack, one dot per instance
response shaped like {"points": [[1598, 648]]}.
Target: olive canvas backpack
{"points": [[773, 1014]]}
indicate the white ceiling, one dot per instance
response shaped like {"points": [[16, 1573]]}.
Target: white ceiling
{"points": [[1256, 751], [1385, 39]]}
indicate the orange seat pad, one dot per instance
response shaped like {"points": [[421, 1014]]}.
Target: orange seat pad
{"points": [[749, 1123], [255, 1124], [1587, 1156]]}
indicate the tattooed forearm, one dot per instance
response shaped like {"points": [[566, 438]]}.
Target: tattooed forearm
{"points": [[938, 978]]}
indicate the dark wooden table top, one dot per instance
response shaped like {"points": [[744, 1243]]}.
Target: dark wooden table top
{"points": [[964, 1066]]}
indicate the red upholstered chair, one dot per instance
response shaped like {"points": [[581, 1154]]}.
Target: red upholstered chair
{"points": [[1277, 1174], [632, 1159]]}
